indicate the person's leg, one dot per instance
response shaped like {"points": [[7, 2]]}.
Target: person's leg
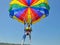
{"points": [[24, 36], [30, 37]]}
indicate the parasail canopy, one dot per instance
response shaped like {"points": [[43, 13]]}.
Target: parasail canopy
{"points": [[29, 10]]}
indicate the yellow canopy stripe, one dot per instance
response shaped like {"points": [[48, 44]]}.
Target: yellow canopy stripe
{"points": [[29, 15], [16, 2]]}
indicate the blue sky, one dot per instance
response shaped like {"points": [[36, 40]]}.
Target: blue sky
{"points": [[45, 32]]}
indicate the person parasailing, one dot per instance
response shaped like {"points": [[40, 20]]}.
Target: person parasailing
{"points": [[27, 31]]}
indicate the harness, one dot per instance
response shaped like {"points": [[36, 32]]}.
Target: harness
{"points": [[28, 29]]}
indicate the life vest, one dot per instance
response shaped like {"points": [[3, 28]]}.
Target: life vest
{"points": [[28, 29]]}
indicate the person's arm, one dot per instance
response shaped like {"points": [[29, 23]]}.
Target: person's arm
{"points": [[31, 29], [31, 22], [24, 22], [24, 27]]}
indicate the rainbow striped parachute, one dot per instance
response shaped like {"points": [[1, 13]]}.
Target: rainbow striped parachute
{"points": [[29, 10]]}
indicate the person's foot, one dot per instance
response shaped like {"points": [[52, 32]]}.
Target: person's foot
{"points": [[22, 43], [30, 42]]}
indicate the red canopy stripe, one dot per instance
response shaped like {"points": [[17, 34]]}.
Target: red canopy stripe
{"points": [[23, 15], [34, 15], [33, 1], [23, 2]]}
